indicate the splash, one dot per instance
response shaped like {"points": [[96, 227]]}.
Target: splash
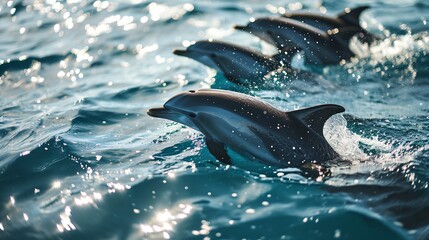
{"points": [[345, 142], [394, 57], [367, 155]]}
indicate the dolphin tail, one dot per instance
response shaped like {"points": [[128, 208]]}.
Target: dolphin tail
{"points": [[315, 117], [351, 16], [285, 55]]}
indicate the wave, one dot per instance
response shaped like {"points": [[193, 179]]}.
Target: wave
{"points": [[27, 62], [38, 168]]}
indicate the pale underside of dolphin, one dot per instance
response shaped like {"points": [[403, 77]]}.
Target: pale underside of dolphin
{"points": [[238, 64], [320, 47], [252, 127], [350, 17]]}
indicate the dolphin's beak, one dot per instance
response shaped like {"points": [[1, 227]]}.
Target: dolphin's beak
{"points": [[165, 113], [241, 28], [160, 112], [179, 52]]}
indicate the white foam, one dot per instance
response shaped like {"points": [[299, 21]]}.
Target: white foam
{"points": [[383, 153], [345, 142]]}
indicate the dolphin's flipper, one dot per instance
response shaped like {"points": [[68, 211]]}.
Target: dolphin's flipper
{"points": [[315, 117], [218, 150], [351, 16]]}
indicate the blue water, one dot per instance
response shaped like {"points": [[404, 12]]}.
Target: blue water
{"points": [[81, 159]]}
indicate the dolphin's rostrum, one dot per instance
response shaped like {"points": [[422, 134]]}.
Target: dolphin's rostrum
{"points": [[252, 127]]}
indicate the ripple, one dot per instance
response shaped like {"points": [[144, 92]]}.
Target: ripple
{"points": [[26, 62]]}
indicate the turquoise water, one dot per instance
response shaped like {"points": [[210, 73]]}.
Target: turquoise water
{"points": [[81, 159]]}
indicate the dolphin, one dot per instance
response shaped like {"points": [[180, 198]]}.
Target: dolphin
{"points": [[238, 64], [252, 127], [320, 47], [349, 17]]}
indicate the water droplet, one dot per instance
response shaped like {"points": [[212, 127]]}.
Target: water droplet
{"points": [[337, 233], [250, 211], [24, 153]]}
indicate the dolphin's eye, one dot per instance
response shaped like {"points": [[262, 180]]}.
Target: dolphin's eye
{"points": [[192, 115]]}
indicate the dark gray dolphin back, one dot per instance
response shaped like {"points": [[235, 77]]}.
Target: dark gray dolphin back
{"points": [[238, 64], [350, 17], [320, 47]]}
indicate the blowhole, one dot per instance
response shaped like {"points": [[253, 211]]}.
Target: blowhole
{"points": [[192, 91]]}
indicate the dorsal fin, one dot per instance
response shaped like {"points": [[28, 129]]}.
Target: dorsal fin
{"points": [[351, 16], [315, 117], [285, 55], [344, 33]]}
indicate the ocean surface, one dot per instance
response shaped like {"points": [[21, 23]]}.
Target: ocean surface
{"points": [[81, 159]]}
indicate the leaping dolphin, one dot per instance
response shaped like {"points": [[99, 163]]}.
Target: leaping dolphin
{"points": [[252, 127], [320, 47], [350, 17], [238, 64]]}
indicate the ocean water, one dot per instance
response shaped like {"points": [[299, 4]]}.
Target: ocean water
{"points": [[81, 159]]}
